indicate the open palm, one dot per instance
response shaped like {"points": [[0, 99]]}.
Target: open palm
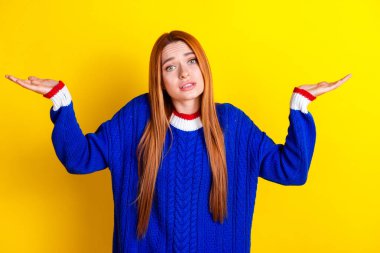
{"points": [[323, 87], [41, 86]]}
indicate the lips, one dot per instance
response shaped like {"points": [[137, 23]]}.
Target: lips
{"points": [[183, 84]]}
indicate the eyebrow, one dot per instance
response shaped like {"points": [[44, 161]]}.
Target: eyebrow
{"points": [[171, 58]]}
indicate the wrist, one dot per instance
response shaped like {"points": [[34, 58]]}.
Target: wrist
{"points": [[60, 96], [300, 99]]}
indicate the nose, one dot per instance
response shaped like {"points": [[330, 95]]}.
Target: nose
{"points": [[184, 72]]}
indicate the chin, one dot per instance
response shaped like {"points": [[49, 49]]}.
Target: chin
{"points": [[192, 96]]}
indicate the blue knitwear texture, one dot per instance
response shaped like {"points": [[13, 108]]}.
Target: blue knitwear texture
{"points": [[180, 218]]}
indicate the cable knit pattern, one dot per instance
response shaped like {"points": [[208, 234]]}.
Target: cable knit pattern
{"points": [[195, 184], [183, 179], [180, 218]]}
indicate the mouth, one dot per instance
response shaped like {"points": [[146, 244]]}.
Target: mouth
{"points": [[187, 86]]}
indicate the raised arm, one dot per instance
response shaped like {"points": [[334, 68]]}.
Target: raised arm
{"points": [[79, 153], [289, 163]]}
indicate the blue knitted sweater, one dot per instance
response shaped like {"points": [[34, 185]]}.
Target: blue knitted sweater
{"points": [[180, 219]]}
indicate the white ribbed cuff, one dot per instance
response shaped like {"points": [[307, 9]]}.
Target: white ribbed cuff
{"points": [[61, 98], [299, 102]]}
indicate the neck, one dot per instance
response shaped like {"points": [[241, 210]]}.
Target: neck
{"points": [[187, 106]]}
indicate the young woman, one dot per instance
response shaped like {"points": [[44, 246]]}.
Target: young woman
{"points": [[184, 169]]}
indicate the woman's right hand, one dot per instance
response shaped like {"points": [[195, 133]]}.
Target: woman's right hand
{"points": [[40, 86]]}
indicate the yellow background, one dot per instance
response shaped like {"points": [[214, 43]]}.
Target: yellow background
{"points": [[258, 51]]}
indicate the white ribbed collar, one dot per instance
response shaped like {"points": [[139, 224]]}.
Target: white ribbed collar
{"points": [[185, 124]]}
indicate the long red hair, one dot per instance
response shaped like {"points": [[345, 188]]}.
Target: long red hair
{"points": [[149, 150]]}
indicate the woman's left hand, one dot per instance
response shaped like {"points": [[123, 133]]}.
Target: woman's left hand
{"points": [[323, 87]]}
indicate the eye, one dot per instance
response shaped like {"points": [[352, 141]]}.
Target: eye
{"points": [[191, 60], [168, 68]]}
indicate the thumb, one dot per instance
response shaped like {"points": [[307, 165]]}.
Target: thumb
{"points": [[32, 78]]}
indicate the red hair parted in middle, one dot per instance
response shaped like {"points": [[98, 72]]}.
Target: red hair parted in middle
{"points": [[149, 151]]}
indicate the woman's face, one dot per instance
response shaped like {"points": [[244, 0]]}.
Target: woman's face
{"points": [[182, 77]]}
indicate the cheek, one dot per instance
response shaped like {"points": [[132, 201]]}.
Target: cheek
{"points": [[168, 82], [197, 72], [164, 78], [200, 76]]}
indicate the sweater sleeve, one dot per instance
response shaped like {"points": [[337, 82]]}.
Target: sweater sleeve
{"points": [[79, 153], [289, 163]]}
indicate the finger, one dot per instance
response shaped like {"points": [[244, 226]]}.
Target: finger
{"points": [[15, 79], [32, 78], [35, 80], [322, 84], [24, 83], [347, 77], [333, 85], [324, 87], [338, 83], [344, 79]]}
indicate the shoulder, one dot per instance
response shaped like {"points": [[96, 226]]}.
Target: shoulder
{"points": [[229, 110], [135, 109], [138, 103], [141, 100], [231, 115]]}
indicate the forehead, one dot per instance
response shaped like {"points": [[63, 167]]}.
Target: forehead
{"points": [[175, 48]]}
